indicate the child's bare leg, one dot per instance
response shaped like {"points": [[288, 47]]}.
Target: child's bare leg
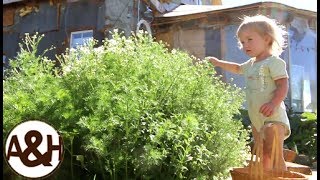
{"points": [[267, 146]]}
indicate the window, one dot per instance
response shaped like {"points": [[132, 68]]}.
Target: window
{"points": [[80, 37]]}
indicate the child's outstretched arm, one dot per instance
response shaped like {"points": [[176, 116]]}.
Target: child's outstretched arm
{"points": [[279, 95], [225, 65]]}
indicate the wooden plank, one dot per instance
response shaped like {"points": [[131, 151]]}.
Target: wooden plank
{"points": [[192, 41], [299, 168], [165, 37]]}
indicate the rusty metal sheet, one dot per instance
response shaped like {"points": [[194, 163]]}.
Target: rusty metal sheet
{"points": [[8, 16], [83, 14], [10, 44], [42, 21]]}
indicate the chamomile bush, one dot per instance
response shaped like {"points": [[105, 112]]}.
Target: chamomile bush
{"points": [[130, 109]]}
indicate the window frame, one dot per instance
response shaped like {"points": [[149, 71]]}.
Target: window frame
{"points": [[78, 32]]}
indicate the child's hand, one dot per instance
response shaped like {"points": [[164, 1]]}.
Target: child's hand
{"points": [[213, 60], [267, 109]]}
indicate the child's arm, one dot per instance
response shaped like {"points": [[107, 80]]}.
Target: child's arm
{"points": [[225, 65], [279, 95]]}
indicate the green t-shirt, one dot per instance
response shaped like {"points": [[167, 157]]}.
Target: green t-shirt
{"points": [[260, 85]]}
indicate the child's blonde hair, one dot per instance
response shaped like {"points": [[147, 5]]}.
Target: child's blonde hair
{"points": [[265, 26]]}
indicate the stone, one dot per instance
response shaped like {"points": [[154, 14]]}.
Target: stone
{"points": [[303, 159]]}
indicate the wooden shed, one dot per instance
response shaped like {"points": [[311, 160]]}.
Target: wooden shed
{"points": [[210, 31]]}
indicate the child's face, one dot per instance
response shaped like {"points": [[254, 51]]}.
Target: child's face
{"points": [[255, 45]]}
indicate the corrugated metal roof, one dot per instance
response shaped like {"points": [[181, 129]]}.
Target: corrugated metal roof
{"points": [[309, 5], [190, 9], [195, 9], [10, 1]]}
